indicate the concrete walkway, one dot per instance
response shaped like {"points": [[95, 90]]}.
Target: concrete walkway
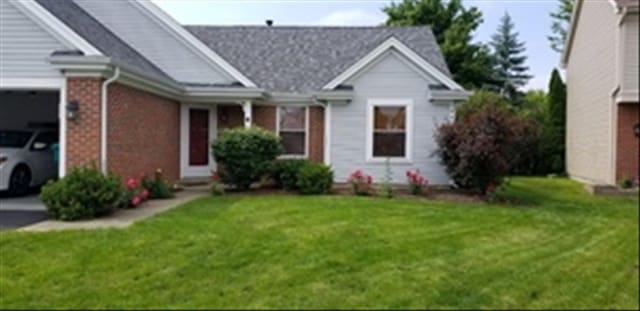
{"points": [[121, 218]]}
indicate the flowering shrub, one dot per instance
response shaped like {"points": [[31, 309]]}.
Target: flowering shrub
{"points": [[158, 187], [360, 182], [417, 184], [217, 188], [135, 193]]}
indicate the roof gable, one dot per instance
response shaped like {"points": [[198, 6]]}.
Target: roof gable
{"points": [[305, 59]]}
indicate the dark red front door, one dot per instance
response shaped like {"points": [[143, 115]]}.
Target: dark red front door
{"points": [[198, 137]]}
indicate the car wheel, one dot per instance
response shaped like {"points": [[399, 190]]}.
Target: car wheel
{"points": [[20, 180]]}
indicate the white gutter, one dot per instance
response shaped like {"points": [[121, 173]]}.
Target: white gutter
{"points": [[103, 120]]}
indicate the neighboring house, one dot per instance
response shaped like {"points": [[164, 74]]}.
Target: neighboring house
{"points": [[137, 91], [601, 59]]}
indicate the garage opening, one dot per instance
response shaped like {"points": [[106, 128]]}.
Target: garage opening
{"points": [[29, 140]]}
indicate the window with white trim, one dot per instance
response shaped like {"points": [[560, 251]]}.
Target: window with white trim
{"points": [[292, 129], [389, 127]]}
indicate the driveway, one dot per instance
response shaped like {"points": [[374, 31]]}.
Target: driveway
{"points": [[20, 211]]}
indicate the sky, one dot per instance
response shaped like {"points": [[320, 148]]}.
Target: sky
{"points": [[531, 19]]}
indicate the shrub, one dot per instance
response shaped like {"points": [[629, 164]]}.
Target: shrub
{"points": [[158, 187], [217, 188], [135, 193], [285, 173], [315, 178], [626, 183], [82, 193], [479, 150], [245, 155], [417, 183], [360, 182]]}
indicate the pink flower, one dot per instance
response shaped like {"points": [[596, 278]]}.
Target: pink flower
{"points": [[144, 194], [215, 176], [369, 179], [132, 183], [136, 201]]}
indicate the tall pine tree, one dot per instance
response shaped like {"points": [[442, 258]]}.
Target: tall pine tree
{"points": [[510, 69], [561, 19]]}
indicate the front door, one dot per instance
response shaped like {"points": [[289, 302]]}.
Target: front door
{"points": [[198, 137]]}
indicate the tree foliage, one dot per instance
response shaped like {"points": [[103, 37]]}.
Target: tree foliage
{"points": [[452, 25], [561, 19], [510, 69], [555, 125]]}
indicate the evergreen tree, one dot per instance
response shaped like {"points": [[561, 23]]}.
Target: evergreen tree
{"points": [[561, 19], [510, 69], [470, 63], [555, 127]]}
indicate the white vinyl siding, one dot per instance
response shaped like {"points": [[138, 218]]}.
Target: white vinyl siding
{"points": [[392, 76], [25, 46], [151, 39], [630, 54], [591, 79]]}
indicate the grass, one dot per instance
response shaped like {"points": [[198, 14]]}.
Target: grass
{"points": [[562, 249]]}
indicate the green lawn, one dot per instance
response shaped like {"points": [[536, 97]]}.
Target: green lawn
{"points": [[560, 249]]}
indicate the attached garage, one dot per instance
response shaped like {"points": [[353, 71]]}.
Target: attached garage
{"points": [[29, 138]]}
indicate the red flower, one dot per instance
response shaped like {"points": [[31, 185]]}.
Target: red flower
{"points": [[369, 179], [215, 176], [136, 201], [144, 194], [132, 183]]}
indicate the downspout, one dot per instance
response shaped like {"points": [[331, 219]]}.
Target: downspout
{"points": [[103, 120]]}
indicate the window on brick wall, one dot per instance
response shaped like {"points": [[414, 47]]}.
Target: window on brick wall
{"points": [[292, 129]]}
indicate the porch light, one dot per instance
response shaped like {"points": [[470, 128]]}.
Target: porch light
{"points": [[636, 129], [72, 109]]}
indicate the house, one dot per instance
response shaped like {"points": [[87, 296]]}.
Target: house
{"points": [[601, 61], [134, 91]]}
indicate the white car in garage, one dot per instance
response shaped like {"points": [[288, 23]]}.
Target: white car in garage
{"points": [[27, 159]]}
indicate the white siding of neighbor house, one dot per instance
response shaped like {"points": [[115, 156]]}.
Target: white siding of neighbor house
{"points": [[151, 39], [391, 77], [24, 46], [630, 54], [591, 78]]}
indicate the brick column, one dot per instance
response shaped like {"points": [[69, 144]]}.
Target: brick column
{"points": [[83, 133], [316, 134], [628, 145], [265, 117]]}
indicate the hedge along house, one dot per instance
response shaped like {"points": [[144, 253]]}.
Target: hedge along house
{"points": [[139, 92]]}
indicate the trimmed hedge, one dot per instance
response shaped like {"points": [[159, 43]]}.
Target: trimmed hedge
{"points": [[285, 173], [315, 178]]}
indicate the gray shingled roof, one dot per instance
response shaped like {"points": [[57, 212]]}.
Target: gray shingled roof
{"points": [[101, 37], [304, 59]]}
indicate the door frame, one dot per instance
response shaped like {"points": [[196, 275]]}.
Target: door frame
{"points": [[187, 170]]}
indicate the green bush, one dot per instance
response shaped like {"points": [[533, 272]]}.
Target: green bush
{"points": [[82, 193], [285, 173], [245, 155], [315, 178], [158, 187]]}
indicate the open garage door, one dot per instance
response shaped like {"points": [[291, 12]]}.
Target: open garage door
{"points": [[29, 139]]}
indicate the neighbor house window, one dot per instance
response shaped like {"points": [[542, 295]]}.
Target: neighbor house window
{"points": [[389, 125], [292, 128]]}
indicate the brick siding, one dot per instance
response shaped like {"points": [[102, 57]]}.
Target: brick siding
{"points": [[628, 147], [143, 133], [83, 133], [316, 134], [264, 117]]}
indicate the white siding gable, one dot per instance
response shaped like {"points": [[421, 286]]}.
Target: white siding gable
{"points": [[392, 76], [153, 40], [25, 46], [630, 54]]}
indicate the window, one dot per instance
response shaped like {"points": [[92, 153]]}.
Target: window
{"points": [[389, 124], [292, 128]]}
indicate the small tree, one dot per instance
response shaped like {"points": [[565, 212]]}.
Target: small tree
{"points": [[479, 149], [245, 155], [555, 127]]}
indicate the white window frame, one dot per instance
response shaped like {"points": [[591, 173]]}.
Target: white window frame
{"points": [[408, 104], [306, 131]]}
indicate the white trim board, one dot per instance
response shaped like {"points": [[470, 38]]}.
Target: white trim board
{"points": [[408, 103], [191, 41], [186, 170], [55, 27], [393, 43]]}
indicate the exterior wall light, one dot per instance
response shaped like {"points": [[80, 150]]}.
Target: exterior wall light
{"points": [[72, 109], [636, 129]]}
